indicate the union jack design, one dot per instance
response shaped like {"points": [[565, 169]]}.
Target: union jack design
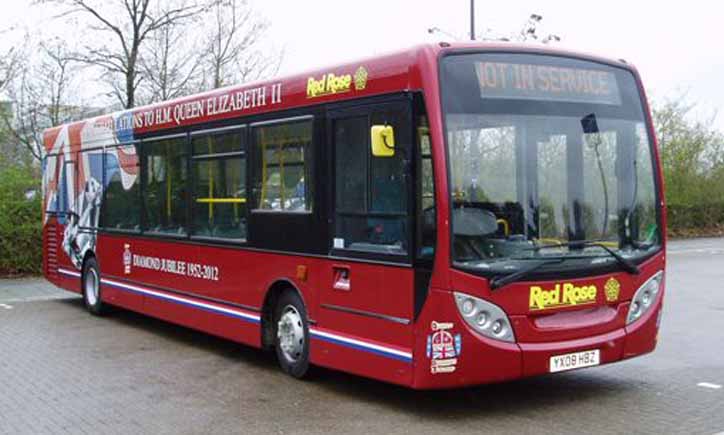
{"points": [[75, 179], [66, 174], [443, 346]]}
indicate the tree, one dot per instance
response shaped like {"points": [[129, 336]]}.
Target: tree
{"points": [[232, 45], [692, 154], [41, 95], [130, 23], [169, 71], [8, 65], [529, 32]]}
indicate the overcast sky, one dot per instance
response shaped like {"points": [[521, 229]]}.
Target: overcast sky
{"points": [[675, 45]]}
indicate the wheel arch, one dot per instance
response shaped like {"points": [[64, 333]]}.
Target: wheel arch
{"points": [[273, 293], [87, 256]]}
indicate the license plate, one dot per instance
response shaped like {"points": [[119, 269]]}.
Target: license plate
{"points": [[570, 361]]}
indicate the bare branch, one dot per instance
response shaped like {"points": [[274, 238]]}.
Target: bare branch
{"points": [[132, 23], [9, 62], [170, 72], [40, 95], [232, 41]]}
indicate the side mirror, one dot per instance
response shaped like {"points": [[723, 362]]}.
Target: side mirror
{"points": [[383, 140]]}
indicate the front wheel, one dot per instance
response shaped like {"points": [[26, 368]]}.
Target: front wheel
{"points": [[292, 335], [91, 282]]}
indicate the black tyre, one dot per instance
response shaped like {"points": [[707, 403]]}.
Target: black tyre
{"points": [[91, 283], [291, 338]]}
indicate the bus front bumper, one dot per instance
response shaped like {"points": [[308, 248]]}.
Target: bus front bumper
{"points": [[450, 354]]}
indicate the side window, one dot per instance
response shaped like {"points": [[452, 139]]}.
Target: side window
{"points": [[70, 187], [164, 193], [426, 193], [219, 185], [90, 188], [371, 193], [53, 171], [283, 166], [121, 206]]}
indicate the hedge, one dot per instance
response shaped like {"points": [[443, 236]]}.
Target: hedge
{"points": [[20, 223], [695, 220]]}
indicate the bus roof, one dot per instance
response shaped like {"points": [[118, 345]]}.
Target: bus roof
{"points": [[397, 71]]}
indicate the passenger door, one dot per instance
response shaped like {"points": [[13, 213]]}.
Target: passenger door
{"points": [[369, 283]]}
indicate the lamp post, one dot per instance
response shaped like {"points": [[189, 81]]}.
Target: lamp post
{"points": [[472, 20]]}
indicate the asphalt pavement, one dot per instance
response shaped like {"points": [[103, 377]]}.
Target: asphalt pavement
{"points": [[63, 371]]}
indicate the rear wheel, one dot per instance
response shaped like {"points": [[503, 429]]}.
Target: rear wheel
{"points": [[91, 282], [292, 334]]}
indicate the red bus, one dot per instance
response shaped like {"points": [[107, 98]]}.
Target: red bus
{"points": [[447, 215]]}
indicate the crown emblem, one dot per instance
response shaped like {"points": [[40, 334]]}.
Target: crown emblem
{"points": [[360, 79], [612, 288]]}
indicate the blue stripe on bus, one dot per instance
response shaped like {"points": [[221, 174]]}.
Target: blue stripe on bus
{"points": [[360, 345], [352, 343], [69, 273], [251, 318]]}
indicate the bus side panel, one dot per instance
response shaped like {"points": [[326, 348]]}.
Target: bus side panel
{"points": [[341, 355], [114, 294], [69, 277], [51, 250], [145, 275], [57, 267], [224, 274], [366, 327], [66, 234], [163, 279], [212, 321]]}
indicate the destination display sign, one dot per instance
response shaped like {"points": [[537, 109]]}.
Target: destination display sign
{"points": [[499, 80]]}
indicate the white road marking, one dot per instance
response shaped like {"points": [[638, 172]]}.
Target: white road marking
{"points": [[708, 385], [7, 307], [711, 251]]}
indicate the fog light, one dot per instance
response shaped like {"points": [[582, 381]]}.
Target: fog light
{"points": [[646, 299], [468, 307], [497, 327]]}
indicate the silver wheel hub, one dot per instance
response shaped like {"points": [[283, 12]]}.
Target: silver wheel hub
{"points": [[290, 333], [91, 287]]}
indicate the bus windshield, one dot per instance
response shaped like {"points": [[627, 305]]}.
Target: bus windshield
{"points": [[546, 151]]}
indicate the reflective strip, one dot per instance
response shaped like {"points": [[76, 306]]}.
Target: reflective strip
{"points": [[69, 273], [231, 312], [317, 333], [361, 345]]}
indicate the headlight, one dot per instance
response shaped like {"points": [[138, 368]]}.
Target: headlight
{"points": [[485, 317], [644, 297]]}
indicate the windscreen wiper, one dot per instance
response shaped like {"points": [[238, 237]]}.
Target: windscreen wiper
{"points": [[625, 263], [499, 281]]}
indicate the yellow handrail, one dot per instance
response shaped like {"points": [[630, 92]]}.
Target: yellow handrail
{"points": [[168, 185], [282, 193], [211, 184], [221, 200], [506, 226], [263, 169], [557, 242]]}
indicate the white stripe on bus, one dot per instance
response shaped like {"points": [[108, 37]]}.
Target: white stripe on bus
{"points": [[353, 343], [255, 318], [363, 345]]}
